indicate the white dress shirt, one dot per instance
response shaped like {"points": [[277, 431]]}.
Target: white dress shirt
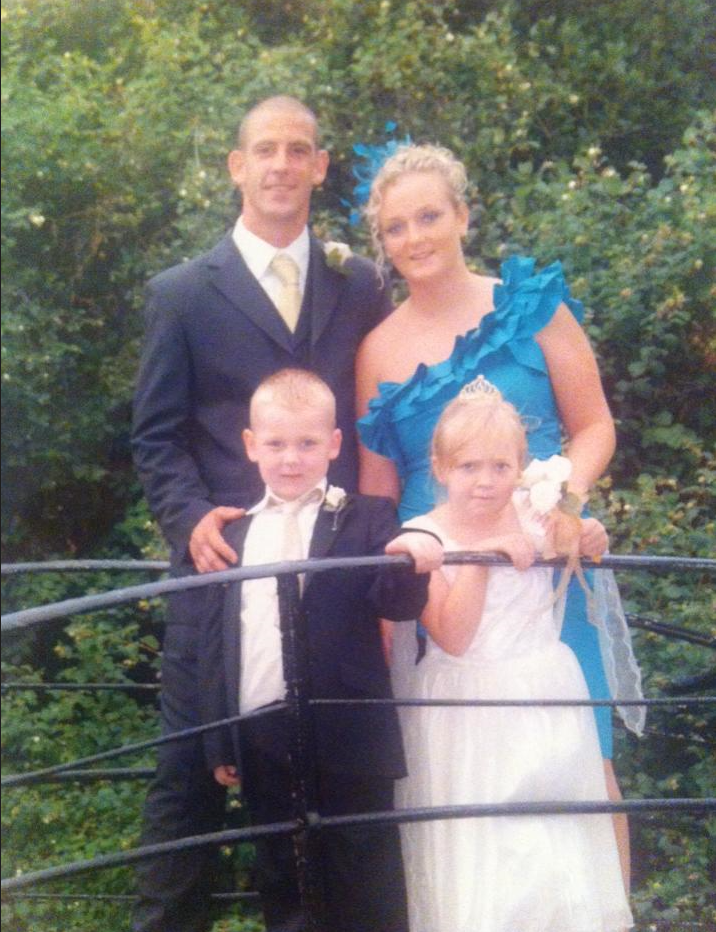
{"points": [[262, 680], [258, 255]]}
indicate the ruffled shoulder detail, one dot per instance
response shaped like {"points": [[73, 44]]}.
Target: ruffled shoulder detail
{"points": [[533, 296], [524, 303], [430, 388]]}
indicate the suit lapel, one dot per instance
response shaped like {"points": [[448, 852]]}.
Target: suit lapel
{"points": [[235, 534], [327, 529], [230, 275], [325, 288]]}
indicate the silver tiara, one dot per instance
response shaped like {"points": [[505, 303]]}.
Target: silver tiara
{"points": [[479, 387]]}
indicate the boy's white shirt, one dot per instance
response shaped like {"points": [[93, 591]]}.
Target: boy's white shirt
{"points": [[261, 681]]}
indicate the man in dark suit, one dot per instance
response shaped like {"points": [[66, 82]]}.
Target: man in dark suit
{"points": [[214, 332], [293, 438]]}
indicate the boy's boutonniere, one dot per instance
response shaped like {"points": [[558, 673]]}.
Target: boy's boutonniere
{"points": [[334, 502], [337, 254]]}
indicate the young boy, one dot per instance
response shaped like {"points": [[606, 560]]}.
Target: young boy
{"points": [[359, 753]]}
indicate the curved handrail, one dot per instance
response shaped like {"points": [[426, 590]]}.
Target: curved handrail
{"points": [[30, 617]]}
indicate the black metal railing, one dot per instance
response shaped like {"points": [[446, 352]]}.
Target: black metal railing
{"points": [[298, 705]]}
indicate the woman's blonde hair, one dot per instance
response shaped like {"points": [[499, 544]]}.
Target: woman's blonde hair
{"points": [[477, 416], [412, 158]]}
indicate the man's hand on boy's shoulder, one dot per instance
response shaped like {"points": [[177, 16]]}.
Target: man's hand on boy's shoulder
{"points": [[425, 550], [226, 775], [208, 549]]}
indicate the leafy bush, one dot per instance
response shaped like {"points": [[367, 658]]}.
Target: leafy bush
{"points": [[641, 257], [117, 121], [48, 823], [588, 135]]}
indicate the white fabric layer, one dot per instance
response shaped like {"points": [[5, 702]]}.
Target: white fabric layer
{"points": [[506, 874], [620, 666], [605, 612]]}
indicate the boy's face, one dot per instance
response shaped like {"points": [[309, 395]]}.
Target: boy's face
{"points": [[292, 447]]}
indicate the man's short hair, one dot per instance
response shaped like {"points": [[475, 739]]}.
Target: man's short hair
{"points": [[277, 102]]}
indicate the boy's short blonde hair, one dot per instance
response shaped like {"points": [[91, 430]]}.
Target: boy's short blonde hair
{"points": [[294, 389], [485, 417]]}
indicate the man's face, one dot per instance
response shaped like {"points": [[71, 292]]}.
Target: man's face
{"points": [[292, 447], [276, 169]]}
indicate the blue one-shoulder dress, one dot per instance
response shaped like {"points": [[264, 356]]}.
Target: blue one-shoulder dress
{"points": [[401, 420]]}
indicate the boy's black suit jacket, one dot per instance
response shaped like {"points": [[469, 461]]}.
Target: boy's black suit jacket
{"points": [[344, 650]]}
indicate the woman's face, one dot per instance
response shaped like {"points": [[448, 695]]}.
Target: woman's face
{"points": [[421, 226]]}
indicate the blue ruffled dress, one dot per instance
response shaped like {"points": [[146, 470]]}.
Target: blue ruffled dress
{"points": [[401, 420]]}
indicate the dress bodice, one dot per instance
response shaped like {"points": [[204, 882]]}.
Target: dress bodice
{"points": [[401, 419], [518, 616]]}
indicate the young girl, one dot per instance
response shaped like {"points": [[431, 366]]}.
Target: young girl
{"points": [[494, 634]]}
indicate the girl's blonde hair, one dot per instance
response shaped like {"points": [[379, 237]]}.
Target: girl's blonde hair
{"points": [[483, 415], [412, 158]]}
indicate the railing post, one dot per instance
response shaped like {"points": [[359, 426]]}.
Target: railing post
{"points": [[302, 761]]}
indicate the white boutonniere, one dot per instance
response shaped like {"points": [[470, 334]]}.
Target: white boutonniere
{"points": [[546, 482], [334, 502], [337, 254]]}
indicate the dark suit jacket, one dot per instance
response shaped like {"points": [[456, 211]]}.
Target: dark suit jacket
{"points": [[345, 656], [212, 336]]}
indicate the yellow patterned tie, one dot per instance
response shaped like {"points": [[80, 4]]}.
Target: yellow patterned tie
{"points": [[292, 546], [288, 303]]}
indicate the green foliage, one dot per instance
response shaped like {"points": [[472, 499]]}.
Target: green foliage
{"points": [[588, 134], [50, 823], [614, 57], [117, 118], [641, 256], [671, 855], [47, 824]]}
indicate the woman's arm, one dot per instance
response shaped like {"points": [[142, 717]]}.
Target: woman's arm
{"points": [[580, 398], [377, 474]]}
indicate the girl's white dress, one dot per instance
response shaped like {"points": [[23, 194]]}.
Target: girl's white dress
{"points": [[542, 873]]}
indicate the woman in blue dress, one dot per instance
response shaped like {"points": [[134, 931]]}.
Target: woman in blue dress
{"points": [[522, 333]]}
